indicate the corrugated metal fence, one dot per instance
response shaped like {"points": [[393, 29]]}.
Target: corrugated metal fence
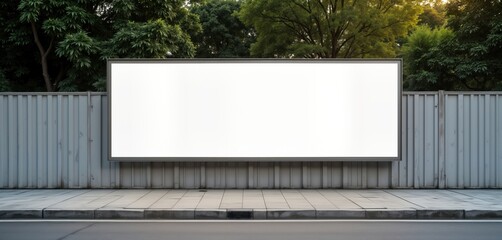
{"points": [[450, 140]]}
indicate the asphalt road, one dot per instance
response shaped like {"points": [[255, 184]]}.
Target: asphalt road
{"points": [[252, 230]]}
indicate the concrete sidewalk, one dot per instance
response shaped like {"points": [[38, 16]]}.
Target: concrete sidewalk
{"points": [[250, 204]]}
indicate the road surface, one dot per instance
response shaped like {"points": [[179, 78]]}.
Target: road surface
{"points": [[252, 230]]}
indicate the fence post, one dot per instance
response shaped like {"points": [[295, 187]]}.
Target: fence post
{"points": [[441, 140]]}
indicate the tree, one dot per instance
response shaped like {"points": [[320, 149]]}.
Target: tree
{"points": [[67, 42], [466, 56], [223, 34], [434, 13], [426, 68], [328, 28], [17, 59], [478, 45]]}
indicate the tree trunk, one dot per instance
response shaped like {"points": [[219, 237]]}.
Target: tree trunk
{"points": [[43, 58]]}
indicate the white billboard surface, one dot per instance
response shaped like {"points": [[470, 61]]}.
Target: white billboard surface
{"points": [[254, 110]]}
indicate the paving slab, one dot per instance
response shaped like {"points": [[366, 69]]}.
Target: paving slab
{"points": [[317, 200], [189, 200], [296, 200], [125, 197], [211, 199], [338, 200], [274, 199], [148, 199], [169, 200], [253, 199], [232, 199]]}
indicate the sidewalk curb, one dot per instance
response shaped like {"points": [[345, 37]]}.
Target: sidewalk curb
{"points": [[68, 213], [119, 214], [440, 214], [233, 214], [483, 214], [21, 214]]}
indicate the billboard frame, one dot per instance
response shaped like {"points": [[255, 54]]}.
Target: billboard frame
{"points": [[399, 61]]}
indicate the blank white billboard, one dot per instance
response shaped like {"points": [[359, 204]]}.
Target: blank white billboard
{"points": [[254, 110]]}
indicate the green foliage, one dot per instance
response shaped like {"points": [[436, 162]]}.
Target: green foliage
{"points": [[425, 65], [224, 35], [434, 13], [4, 83], [76, 37], [153, 39], [62, 45], [464, 57], [329, 29], [478, 46], [18, 56]]}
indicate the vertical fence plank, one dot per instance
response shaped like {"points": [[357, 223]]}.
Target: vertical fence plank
{"points": [[176, 175], [460, 142], [336, 178], [31, 151], [82, 143], [481, 139], [474, 140], [4, 142], [410, 129], [384, 174], [442, 139], [282, 175], [305, 175], [52, 143], [277, 175], [203, 175], [251, 175], [41, 153], [436, 140], [498, 140], [325, 182], [22, 161], [106, 176], [72, 141], [157, 174], [429, 142], [13, 136], [466, 141], [95, 142], [486, 141]]}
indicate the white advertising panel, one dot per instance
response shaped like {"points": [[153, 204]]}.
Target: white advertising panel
{"points": [[254, 110]]}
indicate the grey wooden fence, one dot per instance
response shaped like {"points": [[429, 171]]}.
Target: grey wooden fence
{"points": [[58, 140]]}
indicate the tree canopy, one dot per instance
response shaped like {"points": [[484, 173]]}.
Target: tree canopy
{"points": [[425, 62], [64, 43], [464, 56], [223, 34], [329, 29]]}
